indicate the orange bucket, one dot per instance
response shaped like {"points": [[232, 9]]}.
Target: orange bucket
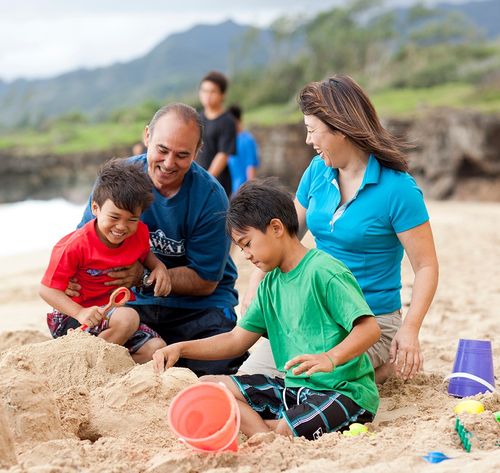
{"points": [[206, 417]]}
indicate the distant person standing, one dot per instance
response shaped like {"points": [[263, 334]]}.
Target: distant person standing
{"points": [[243, 164], [219, 129]]}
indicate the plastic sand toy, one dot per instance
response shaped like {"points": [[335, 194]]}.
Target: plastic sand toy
{"points": [[435, 457], [468, 407], [463, 434], [355, 429]]}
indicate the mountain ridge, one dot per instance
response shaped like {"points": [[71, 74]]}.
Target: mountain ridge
{"points": [[170, 69]]}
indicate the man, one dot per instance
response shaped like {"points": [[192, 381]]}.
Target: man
{"points": [[219, 130], [244, 163], [187, 232]]}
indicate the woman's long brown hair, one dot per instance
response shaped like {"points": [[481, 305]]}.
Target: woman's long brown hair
{"points": [[343, 106]]}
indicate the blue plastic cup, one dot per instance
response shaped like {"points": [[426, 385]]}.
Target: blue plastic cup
{"points": [[473, 369]]}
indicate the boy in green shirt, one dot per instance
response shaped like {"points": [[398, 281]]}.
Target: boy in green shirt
{"points": [[313, 312]]}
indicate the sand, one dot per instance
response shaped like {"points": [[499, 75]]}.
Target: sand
{"points": [[80, 404]]}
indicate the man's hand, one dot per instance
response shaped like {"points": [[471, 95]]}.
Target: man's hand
{"points": [[90, 316], [127, 276], [311, 364], [167, 357], [73, 289]]}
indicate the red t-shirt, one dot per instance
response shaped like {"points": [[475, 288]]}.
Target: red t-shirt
{"points": [[82, 255]]}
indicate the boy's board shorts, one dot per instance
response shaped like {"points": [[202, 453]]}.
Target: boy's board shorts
{"points": [[308, 413], [59, 324], [261, 357]]}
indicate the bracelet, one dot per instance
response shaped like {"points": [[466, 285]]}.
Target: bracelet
{"points": [[331, 361]]}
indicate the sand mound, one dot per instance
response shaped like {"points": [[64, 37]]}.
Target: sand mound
{"points": [[78, 395], [7, 454], [135, 405], [30, 406], [78, 359], [21, 337]]}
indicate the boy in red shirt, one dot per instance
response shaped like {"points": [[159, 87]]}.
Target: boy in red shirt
{"points": [[114, 239]]}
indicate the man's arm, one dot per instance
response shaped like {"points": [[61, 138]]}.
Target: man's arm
{"points": [[219, 347], [185, 281]]}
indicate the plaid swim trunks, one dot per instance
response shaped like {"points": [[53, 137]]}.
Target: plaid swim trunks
{"points": [[59, 324], [308, 413]]}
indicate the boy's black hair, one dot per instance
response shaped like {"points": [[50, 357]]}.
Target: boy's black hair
{"points": [[235, 111], [219, 79], [125, 184], [257, 202]]}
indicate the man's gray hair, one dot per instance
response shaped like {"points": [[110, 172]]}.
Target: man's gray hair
{"points": [[185, 112]]}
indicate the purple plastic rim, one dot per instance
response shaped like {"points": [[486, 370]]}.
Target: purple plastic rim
{"points": [[474, 357]]}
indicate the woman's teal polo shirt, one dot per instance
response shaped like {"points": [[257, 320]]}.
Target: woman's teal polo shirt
{"points": [[362, 233]]}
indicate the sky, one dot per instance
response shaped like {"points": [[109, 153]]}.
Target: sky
{"points": [[45, 38]]}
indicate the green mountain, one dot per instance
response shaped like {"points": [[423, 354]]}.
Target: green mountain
{"points": [[173, 67], [171, 70]]}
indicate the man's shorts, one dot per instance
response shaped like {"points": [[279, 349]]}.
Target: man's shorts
{"points": [[308, 413], [59, 324], [179, 325], [261, 357]]}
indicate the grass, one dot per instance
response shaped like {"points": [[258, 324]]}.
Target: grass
{"points": [[407, 102], [65, 137], [273, 114], [73, 138]]}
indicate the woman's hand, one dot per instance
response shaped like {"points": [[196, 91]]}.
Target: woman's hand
{"points": [[311, 364], [406, 353]]}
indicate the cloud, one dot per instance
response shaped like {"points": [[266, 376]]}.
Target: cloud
{"points": [[43, 38]]}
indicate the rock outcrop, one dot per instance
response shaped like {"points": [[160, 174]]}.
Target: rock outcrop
{"points": [[456, 155]]}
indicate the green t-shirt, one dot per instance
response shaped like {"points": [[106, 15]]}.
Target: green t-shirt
{"points": [[309, 310]]}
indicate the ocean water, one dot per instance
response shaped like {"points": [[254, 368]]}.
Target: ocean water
{"points": [[36, 224]]}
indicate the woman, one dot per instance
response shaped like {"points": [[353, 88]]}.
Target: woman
{"points": [[363, 208]]}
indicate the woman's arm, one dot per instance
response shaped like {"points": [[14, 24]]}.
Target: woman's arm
{"points": [[405, 348], [301, 214]]}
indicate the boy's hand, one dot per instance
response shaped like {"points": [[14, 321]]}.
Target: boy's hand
{"points": [[161, 278], [90, 316], [311, 364], [165, 358]]}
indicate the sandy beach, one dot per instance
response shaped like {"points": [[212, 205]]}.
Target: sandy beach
{"points": [[80, 404]]}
